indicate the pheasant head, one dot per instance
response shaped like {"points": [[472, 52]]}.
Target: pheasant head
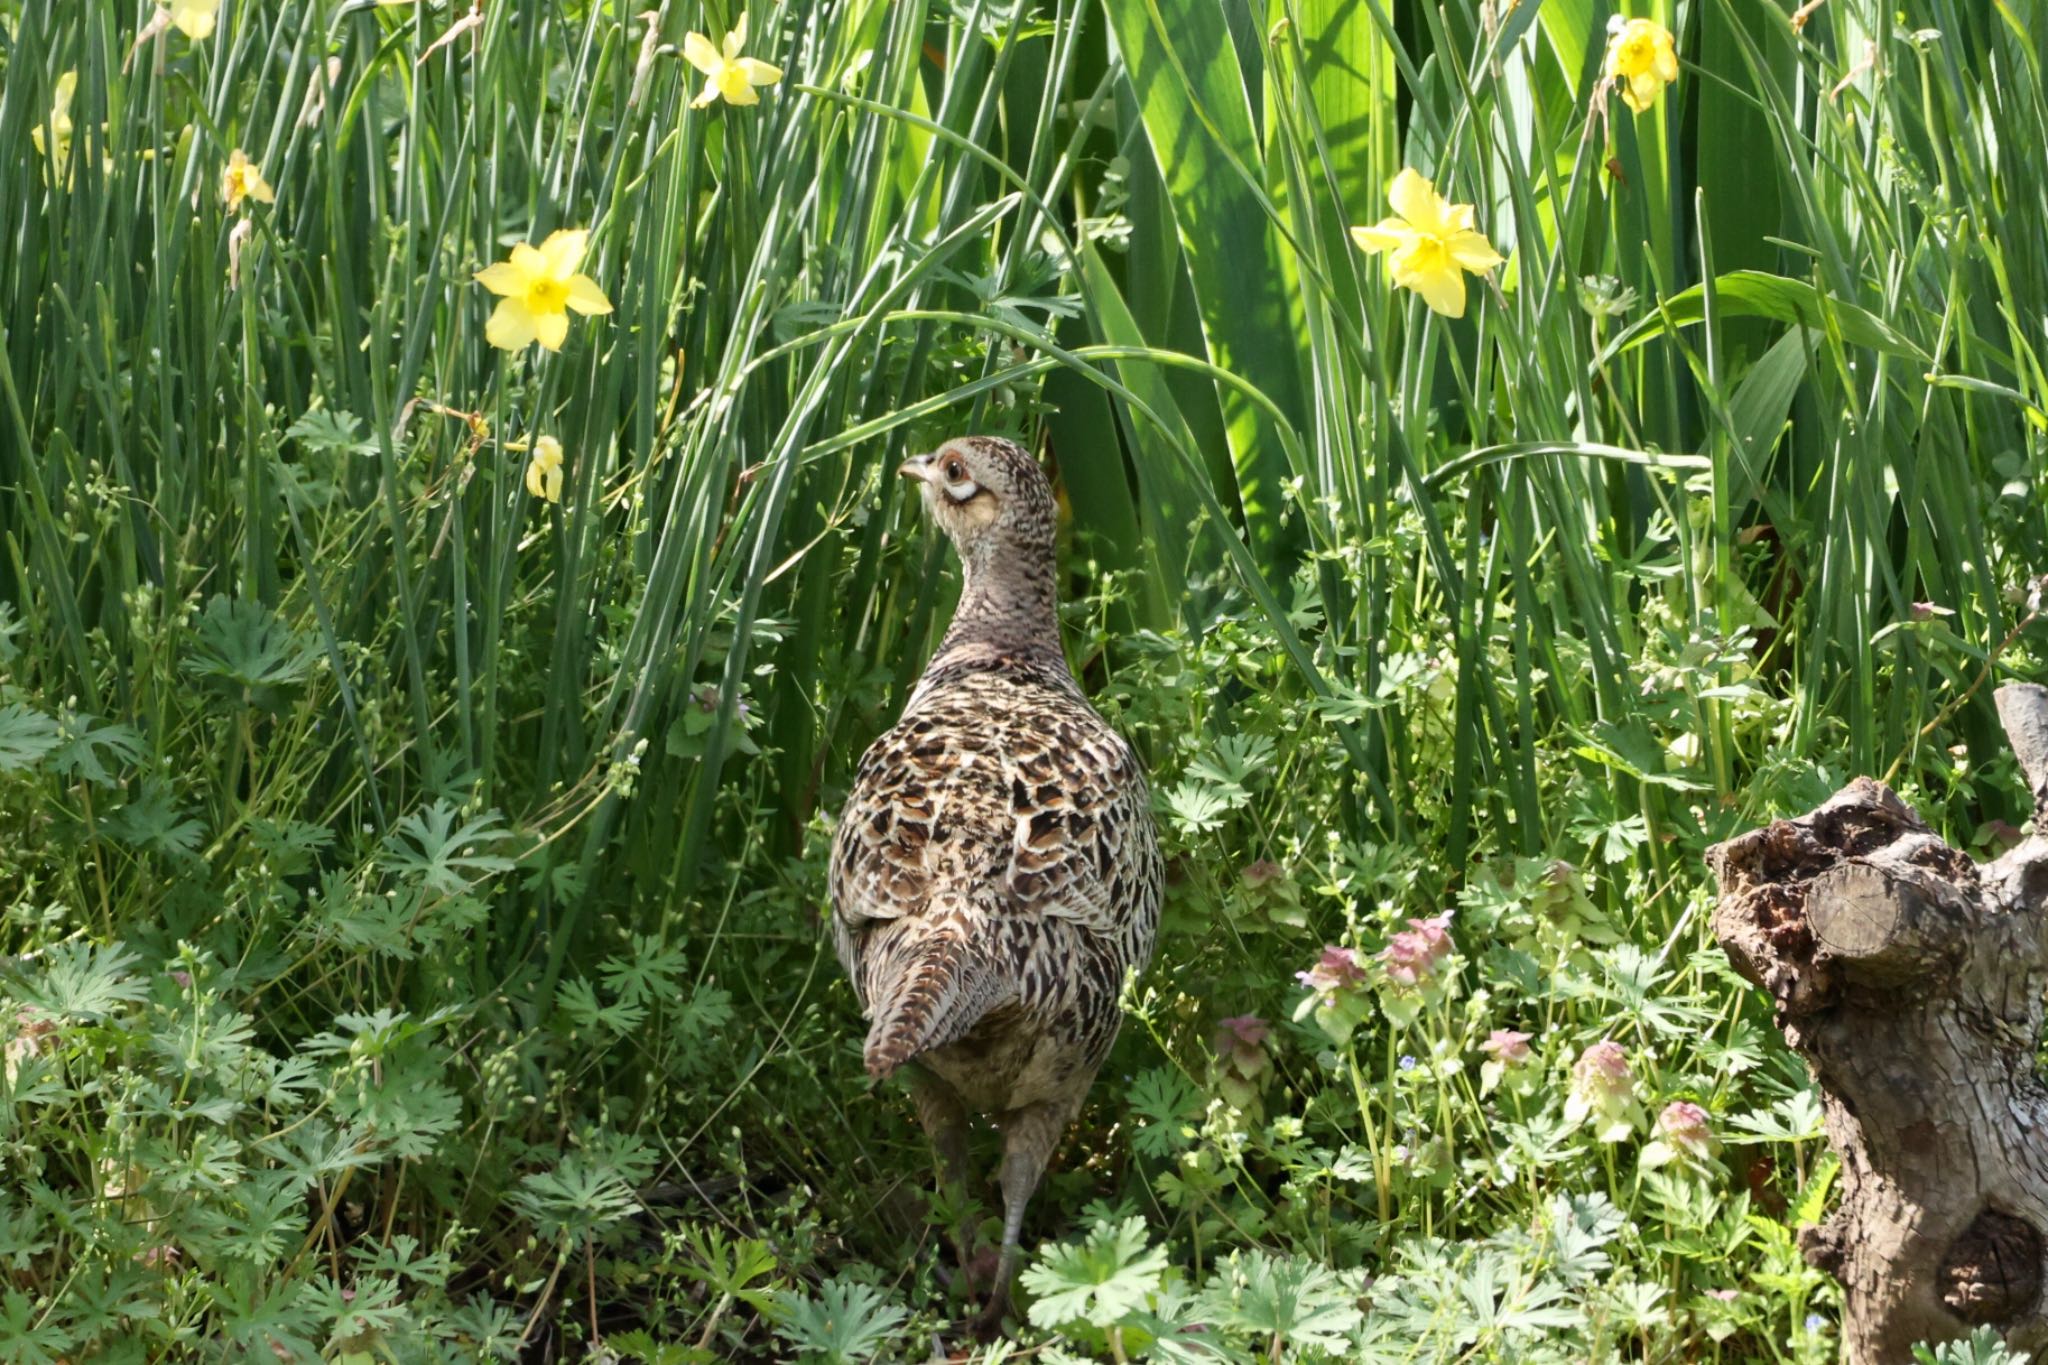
{"points": [[989, 496], [995, 504]]}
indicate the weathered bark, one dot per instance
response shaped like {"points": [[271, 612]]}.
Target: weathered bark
{"points": [[1912, 979]]}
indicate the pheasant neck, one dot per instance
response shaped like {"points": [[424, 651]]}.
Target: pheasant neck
{"points": [[1008, 611]]}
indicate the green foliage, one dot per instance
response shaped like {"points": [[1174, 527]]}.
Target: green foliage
{"points": [[410, 886], [1983, 1347], [1098, 1281], [844, 1323]]}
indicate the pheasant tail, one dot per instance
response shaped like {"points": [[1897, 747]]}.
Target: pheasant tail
{"points": [[938, 989]]}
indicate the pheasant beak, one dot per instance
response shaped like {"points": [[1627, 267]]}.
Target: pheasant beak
{"points": [[917, 467]]}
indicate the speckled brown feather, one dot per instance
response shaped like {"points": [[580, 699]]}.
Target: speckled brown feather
{"points": [[996, 870]]}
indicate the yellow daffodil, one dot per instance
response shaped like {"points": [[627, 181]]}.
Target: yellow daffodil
{"points": [[1642, 59], [537, 286], [727, 75], [243, 179], [1432, 244], [194, 18], [60, 123], [544, 470]]}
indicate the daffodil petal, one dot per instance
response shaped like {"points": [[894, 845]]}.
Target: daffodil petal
{"points": [[528, 261], [739, 92], [1473, 251], [195, 21], [552, 483], [706, 95], [698, 52], [586, 297], [736, 39], [502, 278], [1416, 200], [511, 327], [534, 472], [552, 329], [1390, 234], [1442, 290], [759, 72], [563, 250]]}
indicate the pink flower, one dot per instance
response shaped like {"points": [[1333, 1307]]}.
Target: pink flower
{"points": [[1604, 1089], [1507, 1047], [1683, 1131], [34, 1034], [1683, 1121], [1602, 1073], [1412, 958], [1246, 1029], [1241, 1045], [1435, 931], [1724, 1295], [1337, 969], [1260, 873]]}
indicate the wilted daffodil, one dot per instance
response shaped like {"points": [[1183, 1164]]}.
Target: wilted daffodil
{"points": [[242, 179], [60, 123], [1432, 244], [537, 287], [727, 75], [194, 18], [1642, 59], [544, 470]]}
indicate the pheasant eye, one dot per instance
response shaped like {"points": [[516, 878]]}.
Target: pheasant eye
{"points": [[955, 471]]}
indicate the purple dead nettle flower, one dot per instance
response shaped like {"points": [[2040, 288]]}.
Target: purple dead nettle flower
{"points": [[1683, 1135], [1413, 957], [1604, 1089], [1338, 969], [1506, 1050], [34, 1034], [1683, 1124], [1260, 873], [1241, 1058], [1602, 1070], [1241, 1043], [1507, 1047]]}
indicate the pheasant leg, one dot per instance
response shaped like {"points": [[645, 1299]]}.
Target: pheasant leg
{"points": [[945, 1122], [1029, 1137]]}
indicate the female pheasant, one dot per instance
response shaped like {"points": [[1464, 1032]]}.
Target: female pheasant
{"points": [[996, 871]]}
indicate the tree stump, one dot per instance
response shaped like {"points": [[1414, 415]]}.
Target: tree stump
{"points": [[1912, 980]]}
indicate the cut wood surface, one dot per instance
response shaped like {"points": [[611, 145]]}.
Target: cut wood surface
{"points": [[1912, 979]]}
